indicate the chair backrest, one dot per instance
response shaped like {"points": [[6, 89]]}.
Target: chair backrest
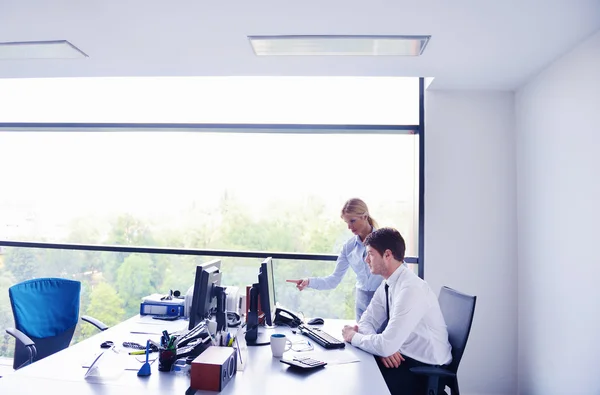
{"points": [[457, 309], [46, 310]]}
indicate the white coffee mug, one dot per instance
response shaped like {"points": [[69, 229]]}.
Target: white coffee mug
{"points": [[279, 344]]}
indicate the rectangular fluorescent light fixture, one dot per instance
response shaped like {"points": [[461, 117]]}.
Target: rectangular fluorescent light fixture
{"points": [[61, 49], [339, 45]]}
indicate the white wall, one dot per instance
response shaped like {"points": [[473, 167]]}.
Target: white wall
{"points": [[558, 163], [470, 224]]}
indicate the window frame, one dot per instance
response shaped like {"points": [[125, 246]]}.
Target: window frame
{"points": [[264, 128]]}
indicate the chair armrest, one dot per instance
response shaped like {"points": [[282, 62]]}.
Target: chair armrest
{"points": [[21, 337], [432, 371], [27, 343], [98, 324]]}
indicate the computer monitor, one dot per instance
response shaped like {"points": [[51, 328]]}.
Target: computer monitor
{"points": [[267, 290], [263, 292], [208, 276]]}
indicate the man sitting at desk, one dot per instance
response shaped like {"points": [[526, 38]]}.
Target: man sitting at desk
{"points": [[415, 334]]}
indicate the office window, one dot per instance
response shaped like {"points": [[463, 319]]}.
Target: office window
{"points": [[241, 191], [242, 187]]}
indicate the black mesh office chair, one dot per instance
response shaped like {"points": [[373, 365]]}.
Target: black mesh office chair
{"points": [[458, 310]]}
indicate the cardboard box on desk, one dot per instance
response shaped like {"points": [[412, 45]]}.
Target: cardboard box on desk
{"points": [[213, 369]]}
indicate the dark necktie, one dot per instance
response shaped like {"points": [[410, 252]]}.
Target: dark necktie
{"points": [[387, 303]]}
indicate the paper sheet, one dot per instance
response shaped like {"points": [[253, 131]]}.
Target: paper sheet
{"points": [[128, 362], [153, 329]]}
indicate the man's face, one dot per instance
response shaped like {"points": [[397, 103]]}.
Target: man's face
{"points": [[375, 261]]}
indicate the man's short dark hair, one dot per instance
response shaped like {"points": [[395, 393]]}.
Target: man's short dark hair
{"points": [[387, 239]]}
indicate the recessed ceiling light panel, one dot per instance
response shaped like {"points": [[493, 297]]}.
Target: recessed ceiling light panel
{"points": [[339, 45], [61, 49]]}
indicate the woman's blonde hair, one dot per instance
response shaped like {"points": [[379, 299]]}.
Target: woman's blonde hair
{"points": [[357, 207]]}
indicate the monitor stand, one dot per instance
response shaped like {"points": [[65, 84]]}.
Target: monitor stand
{"points": [[263, 336]]}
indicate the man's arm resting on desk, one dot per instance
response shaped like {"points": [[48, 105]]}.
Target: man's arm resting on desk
{"points": [[393, 361], [404, 317]]}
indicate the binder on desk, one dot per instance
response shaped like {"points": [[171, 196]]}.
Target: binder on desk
{"points": [[155, 305]]}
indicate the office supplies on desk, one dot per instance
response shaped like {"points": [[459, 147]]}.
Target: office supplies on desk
{"points": [[304, 362], [316, 321], [233, 299], [321, 337], [280, 344], [107, 344], [302, 346], [166, 359], [137, 346], [286, 317], [199, 331], [145, 369], [155, 304], [332, 357], [108, 364], [165, 317]]}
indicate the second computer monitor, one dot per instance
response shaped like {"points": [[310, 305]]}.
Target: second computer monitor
{"points": [[267, 290], [208, 275]]}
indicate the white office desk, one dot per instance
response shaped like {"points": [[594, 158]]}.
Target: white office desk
{"points": [[63, 372]]}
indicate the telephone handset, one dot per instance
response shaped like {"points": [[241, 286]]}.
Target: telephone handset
{"points": [[286, 317]]}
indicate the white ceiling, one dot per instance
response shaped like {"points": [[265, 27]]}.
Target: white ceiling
{"points": [[475, 44]]}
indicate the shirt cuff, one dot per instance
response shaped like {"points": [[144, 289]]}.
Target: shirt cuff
{"points": [[356, 339], [311, 283]]}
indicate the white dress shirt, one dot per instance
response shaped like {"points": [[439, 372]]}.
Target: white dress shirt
{"points": [[352, 255], [416, 327]]}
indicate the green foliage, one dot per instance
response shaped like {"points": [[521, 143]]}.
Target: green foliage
{"points": [[6, 317], [22, 263], [114, 283], [106, 306], [134, 281]]}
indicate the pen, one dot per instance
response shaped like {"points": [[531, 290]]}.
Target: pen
{"points": [[141, 352]]}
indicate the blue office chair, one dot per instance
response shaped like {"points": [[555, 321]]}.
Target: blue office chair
{"points": [[458, 310], [46, 311]]}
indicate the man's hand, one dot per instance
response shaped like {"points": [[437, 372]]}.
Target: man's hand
{"points": [[300, 284], [348, 332], [393, 361]]}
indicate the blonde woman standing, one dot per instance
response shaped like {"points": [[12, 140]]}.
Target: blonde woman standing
{"points": [[356, 215]]}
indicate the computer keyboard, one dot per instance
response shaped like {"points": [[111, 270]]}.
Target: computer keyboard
{"points": [[321, 337]]}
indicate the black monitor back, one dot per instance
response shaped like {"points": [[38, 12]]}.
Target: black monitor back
{"points": [[267, 290], [208, 275]]}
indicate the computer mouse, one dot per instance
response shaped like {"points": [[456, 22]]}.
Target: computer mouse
{"points": [[316, 321]]}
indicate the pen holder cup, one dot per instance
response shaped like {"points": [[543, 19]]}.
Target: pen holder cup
{"points": [[166, 359]]}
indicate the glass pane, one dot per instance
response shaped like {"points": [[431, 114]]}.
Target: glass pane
{"points": [[261, 100], [112, 283], [335, 303], [237, 191]]}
